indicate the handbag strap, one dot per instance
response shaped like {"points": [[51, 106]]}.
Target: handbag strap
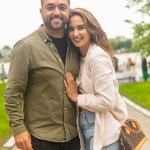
{"points": [[116, 117], [124, 125]]}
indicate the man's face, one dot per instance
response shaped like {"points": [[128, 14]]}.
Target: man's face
{"points": [[55, 14]]}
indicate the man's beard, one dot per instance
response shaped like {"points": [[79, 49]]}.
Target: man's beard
{"points": [[50, 26]]}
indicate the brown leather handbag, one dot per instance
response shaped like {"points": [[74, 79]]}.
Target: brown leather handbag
{"points": [[131, 136]]}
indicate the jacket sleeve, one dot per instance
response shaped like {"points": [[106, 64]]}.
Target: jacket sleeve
{"points": [[16, 87], [101, 72]]}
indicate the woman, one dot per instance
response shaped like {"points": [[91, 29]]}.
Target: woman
{"points": [[97, 84]]}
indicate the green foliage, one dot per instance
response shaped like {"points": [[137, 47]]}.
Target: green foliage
{"points": [[4, 126], [114, 43], [142, 6], [127, 43], [1, 56], [117, 44], [142, 37], [137, 92], [6, 47], [142, 29]]}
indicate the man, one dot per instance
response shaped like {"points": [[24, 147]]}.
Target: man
{"points": [[40, 114]]}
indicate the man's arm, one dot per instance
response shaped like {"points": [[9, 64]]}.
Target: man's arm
{"points": [[14, 95]]}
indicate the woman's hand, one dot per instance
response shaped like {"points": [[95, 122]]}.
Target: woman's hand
{"points": [[71, 87]]}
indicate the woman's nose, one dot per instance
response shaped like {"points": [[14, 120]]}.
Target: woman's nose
{"points": [[75, 33]]}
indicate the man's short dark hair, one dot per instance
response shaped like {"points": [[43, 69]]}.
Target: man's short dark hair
{"points": [[42, 1]]}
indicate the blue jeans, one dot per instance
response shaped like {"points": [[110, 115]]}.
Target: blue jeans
{"points": [[113, 146], [87, 124]]}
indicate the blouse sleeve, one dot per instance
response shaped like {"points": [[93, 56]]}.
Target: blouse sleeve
{"points": [[101, 73]]}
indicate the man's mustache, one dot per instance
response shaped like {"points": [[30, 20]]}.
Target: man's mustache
{"points": [[56, 17]]}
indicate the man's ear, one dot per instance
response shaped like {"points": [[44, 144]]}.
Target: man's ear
{"points": [[41, 12]]}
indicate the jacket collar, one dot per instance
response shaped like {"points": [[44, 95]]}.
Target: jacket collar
{"points": [[91, 47]]}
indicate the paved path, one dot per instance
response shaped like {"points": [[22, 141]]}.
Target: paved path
{"points": [[144, 122]]}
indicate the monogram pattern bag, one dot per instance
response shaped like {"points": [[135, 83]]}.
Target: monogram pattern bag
{"points": [[131, 136]]}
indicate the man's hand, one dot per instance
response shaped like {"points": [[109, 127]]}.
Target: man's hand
{"points": [[23, 141]]}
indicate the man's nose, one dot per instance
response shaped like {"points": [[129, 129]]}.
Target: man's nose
{"points": [[56, 11]]}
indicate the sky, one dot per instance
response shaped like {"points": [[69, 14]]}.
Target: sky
{"points": [[18, 18]]}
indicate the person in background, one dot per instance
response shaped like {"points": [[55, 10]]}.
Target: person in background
{"points": [[144, 69], [97, 84], [40, 114], [116, 64], [130, 65]]}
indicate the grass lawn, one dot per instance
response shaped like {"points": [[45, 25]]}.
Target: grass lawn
{"points": [[4, 126], [137, 92]]}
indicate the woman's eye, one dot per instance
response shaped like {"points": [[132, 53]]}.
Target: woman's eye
{"points": [[81, 27]]}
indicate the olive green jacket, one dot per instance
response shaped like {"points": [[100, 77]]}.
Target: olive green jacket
{"points": [[35, 95]]}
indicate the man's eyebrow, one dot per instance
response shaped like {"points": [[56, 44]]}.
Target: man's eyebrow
{"points": [[51, 4]]}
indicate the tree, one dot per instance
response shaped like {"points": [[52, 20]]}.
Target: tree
{"points": [[141, 29], [114, 43], [118, 43], [1, 56], [6, 47]]}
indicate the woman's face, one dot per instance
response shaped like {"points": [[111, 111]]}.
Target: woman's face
{"points": [[78, 33]]}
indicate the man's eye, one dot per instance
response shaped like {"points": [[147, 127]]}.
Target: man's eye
{"points": [[50, 7], [62, 8]]}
